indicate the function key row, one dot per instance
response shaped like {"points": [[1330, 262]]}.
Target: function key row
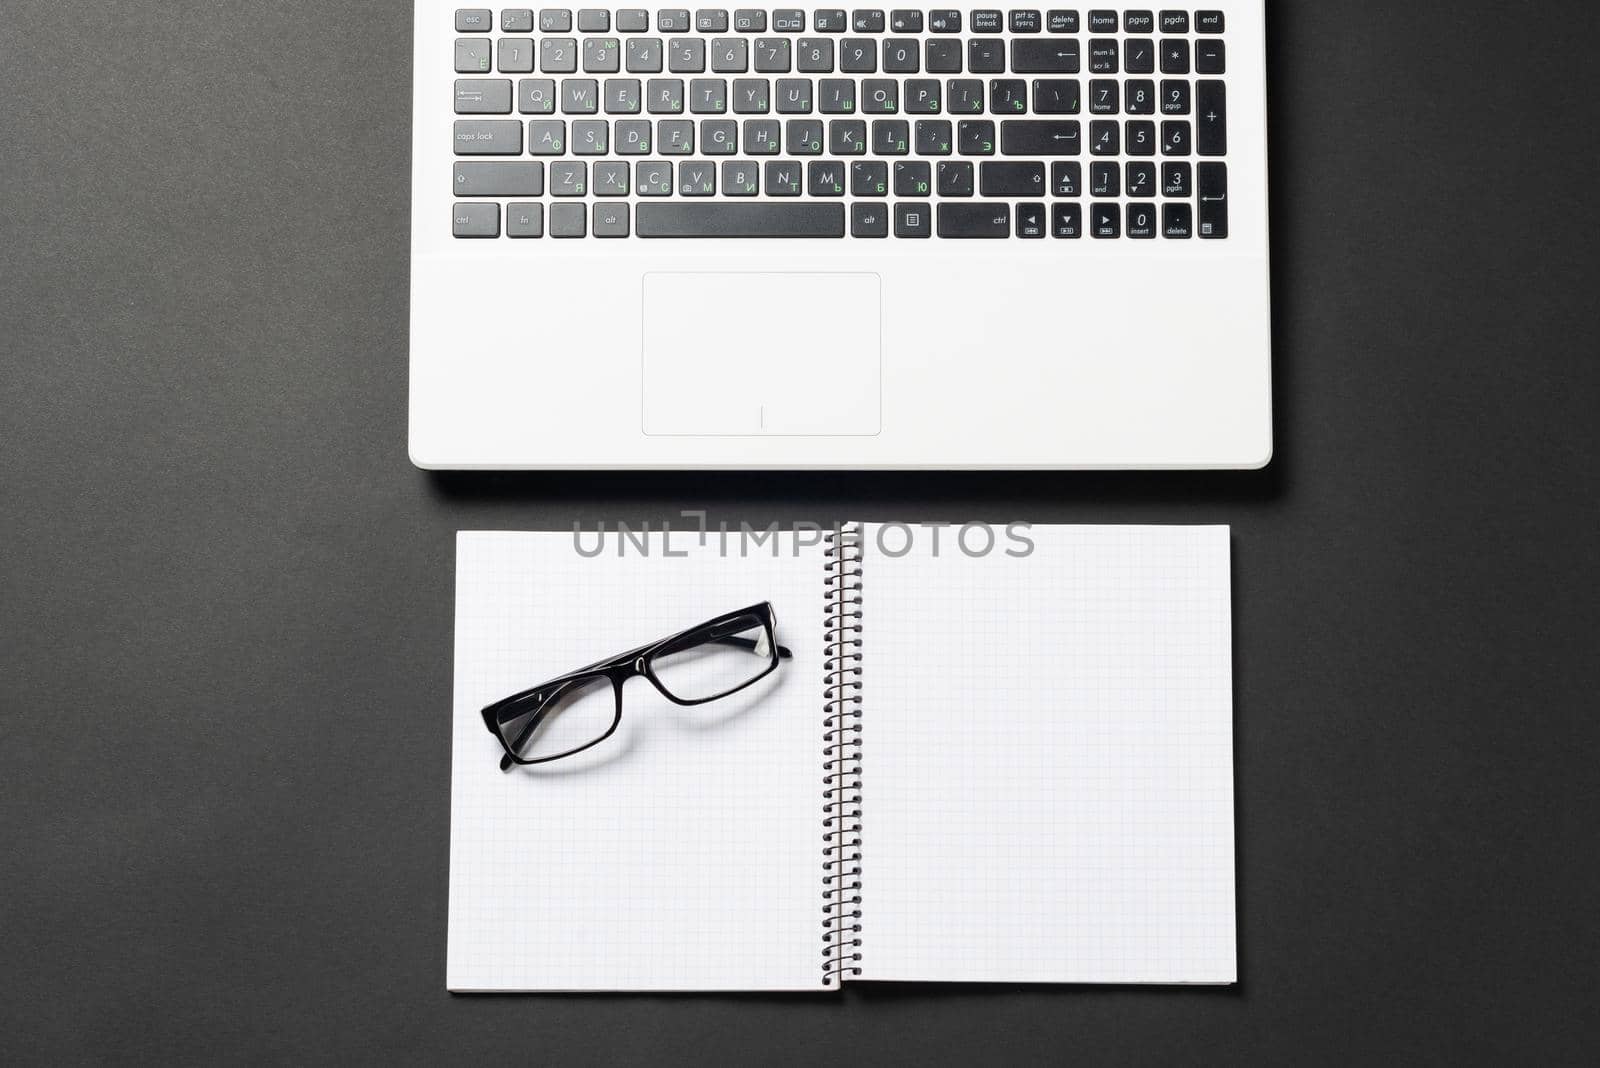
{"points": [[855, 55], [837, 20]]}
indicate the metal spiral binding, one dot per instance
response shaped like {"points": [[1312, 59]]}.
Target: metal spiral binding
{"points": [[841, 740]]}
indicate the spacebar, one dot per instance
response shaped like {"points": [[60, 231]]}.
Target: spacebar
{"points": [[740, 220]]}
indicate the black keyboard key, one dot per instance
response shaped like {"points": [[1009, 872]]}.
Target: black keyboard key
{"points": [[1040, 137], [955, 178], [900, 56], [836, 96], [825, 178], [869, 178], [813, 55], [869, 21], [1142, 221], [1066, 178], [1061, 21], [1174, 22], [922, 96], [1011, 179], [1208, 22], [1103, 56], [947, 20], [1139, 56], [1141, 96], [913, 220], [1213, 189], [1105, 138], [933, 137], [783, 178], [711, 20], [833, 20], [1044, 56], [986, 55], [1025, 22], [1105, 180], [1030, 220], [803, 137], [964, 96], [880, 96], [905, 21], [1141, 183], [1105, 220], [1066, 220], [891, 137], [1175, 138], [847, 137], [1177, 180], [975, 137], [943, 57], [1138, 22], [789, 20], [1175, 97], [1102, 22], [858, 55], [869, 220], [974, 220], [1008, 96], [987, 22], [1175, 57], [1210, 57], [1141, 139], [1105, 96], [913, 178], [1177, 221], [728, 219], [1211, 118], [1055, 96]]}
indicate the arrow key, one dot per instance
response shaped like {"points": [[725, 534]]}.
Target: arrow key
{"points": [[1030, 220], [1106, 220]]}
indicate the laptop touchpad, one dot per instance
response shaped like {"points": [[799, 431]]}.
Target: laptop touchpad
{"points": [[753, 354]]}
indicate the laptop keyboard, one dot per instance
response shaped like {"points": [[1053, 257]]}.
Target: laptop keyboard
{"points": [[912, 124]]}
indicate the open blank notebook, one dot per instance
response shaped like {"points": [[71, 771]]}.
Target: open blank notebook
{"points": [[991, 767]]}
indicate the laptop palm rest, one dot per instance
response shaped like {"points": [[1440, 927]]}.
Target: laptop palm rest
{"points": [[761, 354]]}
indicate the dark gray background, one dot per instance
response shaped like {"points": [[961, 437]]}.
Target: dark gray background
{"points": [[225, 596]]}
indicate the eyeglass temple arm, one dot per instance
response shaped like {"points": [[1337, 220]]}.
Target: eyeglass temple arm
{"points": [[749, 645]]}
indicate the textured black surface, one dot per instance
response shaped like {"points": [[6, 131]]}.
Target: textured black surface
{"points": [[225, 596]]}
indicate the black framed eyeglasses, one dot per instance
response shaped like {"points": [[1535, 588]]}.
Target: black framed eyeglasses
{"points": [[581, 709]]}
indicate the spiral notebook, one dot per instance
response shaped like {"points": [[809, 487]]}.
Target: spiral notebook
{"points": [[1008, 765]]}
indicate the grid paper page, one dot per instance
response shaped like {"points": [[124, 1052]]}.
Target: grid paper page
{"points": [[1047, 742], [685, 851]]}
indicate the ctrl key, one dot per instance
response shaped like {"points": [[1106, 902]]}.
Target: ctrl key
{"points": [[475, 220]]}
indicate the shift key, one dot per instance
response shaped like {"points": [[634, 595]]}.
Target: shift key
{"points": [[488, 137]]}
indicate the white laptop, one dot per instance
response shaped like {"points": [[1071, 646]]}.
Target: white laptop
{"points": [[895, 238]]}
